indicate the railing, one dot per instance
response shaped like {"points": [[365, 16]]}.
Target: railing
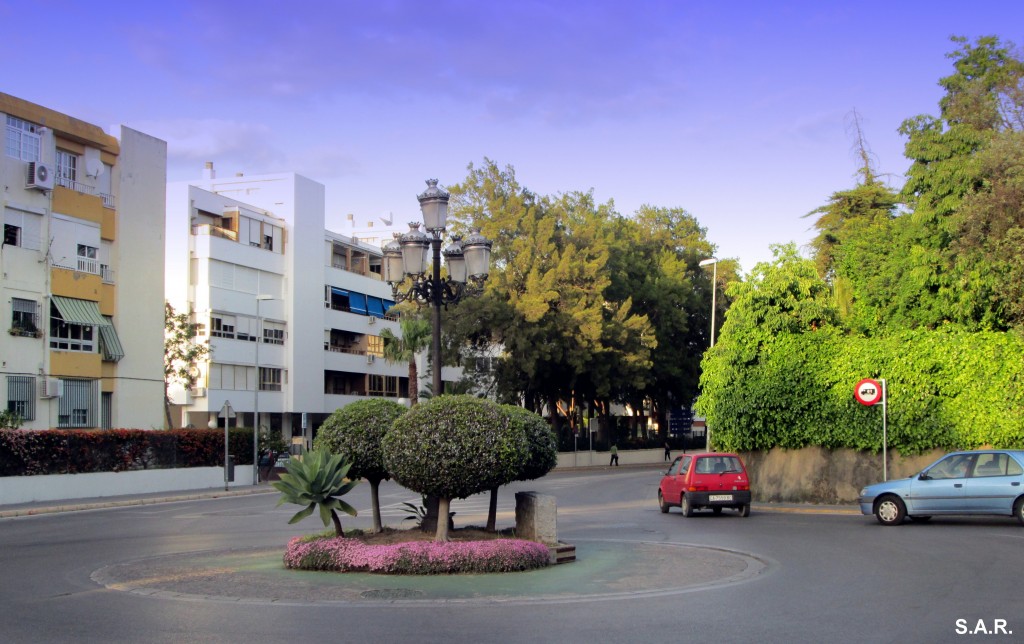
{"points": [[214, 231], [77, 186], [108, 200], [87, 265], [107, 274], [337, 348]]}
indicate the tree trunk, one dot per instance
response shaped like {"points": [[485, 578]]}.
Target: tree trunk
{"points": [[443, 506], [414, 382], [429, 523], [375, 502], [337, 524], [167, 410], [492, 511]]}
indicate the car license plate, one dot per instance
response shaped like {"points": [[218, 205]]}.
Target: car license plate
{"points": [[720, 497]]}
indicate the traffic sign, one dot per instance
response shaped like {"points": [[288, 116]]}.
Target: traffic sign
{"points": [[226, 411], [868, 392]]}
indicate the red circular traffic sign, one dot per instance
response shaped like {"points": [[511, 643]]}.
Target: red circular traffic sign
{"points": [[868, 392]]}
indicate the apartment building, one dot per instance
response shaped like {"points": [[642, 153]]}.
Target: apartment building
{"points": [[292, 311], [82, 260]]}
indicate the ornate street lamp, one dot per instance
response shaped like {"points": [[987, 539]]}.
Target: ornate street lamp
{"points": [[408, 259]]}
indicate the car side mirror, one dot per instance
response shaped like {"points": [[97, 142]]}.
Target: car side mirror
{"points": [[923, 477]]}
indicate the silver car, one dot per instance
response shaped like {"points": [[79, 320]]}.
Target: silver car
{"points": [[986, 482]]}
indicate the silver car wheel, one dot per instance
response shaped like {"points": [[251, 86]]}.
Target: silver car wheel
{"points": [[890, 511]]}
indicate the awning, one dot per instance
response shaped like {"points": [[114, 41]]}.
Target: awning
{"points": [[87, 312], [375, 306], [79, 311], [357, 303], [110, 344]]}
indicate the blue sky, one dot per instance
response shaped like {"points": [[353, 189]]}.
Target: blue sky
{"points": [[736, 111]]}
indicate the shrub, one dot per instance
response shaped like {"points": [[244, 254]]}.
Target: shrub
{"points": [[356, 431], [452, 447], [316, 481], [417, 557], [25, 452]]}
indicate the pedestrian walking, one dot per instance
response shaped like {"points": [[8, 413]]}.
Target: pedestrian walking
{"points": [[615, 456], [668, 452]]}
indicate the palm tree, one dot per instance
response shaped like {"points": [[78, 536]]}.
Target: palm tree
{"points": [[415, 338]]}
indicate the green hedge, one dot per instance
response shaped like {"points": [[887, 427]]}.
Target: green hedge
{"points": [[26, 452], [948, 389]]}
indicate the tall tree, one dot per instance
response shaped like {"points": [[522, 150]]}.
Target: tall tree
{"points": [[655, 263], [182, 353], [550, 309], [416, 334], [981, 104]]}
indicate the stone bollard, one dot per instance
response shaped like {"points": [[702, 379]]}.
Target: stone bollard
{"points": [[536, 517]]}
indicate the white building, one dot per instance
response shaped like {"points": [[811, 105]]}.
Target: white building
{"points": [[292, 312], [82, 261]]}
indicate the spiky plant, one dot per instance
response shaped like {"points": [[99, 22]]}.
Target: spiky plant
{"points": [[318, 478]]}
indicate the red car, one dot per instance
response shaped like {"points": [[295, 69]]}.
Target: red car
{"points": [[706, 481]]}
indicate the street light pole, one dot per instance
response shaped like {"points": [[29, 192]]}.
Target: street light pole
{"points": [[256, 397], [416, 256], [713, 262]]}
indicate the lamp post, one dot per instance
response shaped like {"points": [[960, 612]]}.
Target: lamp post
{"points": [[713, 262], [256, 398], [416, 257]]}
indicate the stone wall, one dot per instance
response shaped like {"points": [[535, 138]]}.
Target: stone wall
{"points": [[818, 475]]}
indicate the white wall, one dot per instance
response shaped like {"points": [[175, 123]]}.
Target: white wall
{"points": [[141, 180], [60, 487]]}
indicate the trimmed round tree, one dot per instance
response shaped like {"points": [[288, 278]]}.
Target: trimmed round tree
{"points": [[452, 447], [356, 431], [541, 456]]}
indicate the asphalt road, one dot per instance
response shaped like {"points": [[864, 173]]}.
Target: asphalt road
{"points": [[811, 577]]}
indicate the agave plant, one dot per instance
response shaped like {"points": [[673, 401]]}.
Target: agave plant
{"points": [[317, 479]]}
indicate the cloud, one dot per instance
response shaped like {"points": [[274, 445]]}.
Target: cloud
{"points": [[195, 140], [503, 60]]}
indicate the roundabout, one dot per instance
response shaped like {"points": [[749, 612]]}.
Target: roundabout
{"points": [[604, 570]]}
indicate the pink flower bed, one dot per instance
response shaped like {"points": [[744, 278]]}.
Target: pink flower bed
{"points": [[417, 557]]}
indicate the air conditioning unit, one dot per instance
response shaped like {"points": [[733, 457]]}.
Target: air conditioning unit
{"points": [[372, 320], [198, 392], [370, 358], [40, 176], [53, 388]]}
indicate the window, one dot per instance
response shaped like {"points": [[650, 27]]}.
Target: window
{"points": [[77, 407], [70, 336], [23, 317], [21, 396], [953, 467], [87, 262], [273, 332], [375, 345], [24, 139], [270, 379], [12, 235], [245, 329], [229, 376], [383, 386], [222, 326], [67, 168]]}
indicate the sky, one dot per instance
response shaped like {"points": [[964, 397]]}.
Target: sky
{"points": [[739, 112]]}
